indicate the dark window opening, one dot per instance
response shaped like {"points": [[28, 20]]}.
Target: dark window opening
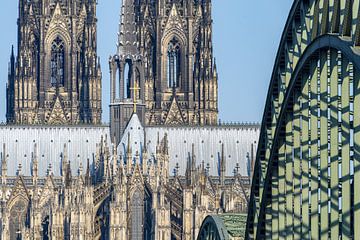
{"points": [[57, 63], [45, 228], [173, 63], [127, 79]]}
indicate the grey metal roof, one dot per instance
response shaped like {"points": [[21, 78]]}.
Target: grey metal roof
{"points": [[19, 144], [237, 142], [81, 144]]}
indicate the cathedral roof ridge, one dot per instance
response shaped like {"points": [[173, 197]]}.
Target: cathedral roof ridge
{"points": [[241, 124], [221, 125], [7, 125]]}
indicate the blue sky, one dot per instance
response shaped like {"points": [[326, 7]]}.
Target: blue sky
{"points": [[246, 39]]}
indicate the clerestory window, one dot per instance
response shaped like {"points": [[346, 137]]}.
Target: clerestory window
{"points": [[57, 63]]}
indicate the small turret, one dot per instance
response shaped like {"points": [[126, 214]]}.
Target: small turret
{"points": [[215, 73], [64, 161], [68, 176], [158, 143], [191, 168], [165, 145], [222, 166], [193, 159], [4, 160], [128, 155], [115, 159], [144, 155], [34, 165], [88, 174]]}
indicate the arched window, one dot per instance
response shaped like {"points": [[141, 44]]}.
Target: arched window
{"points": [[137, 206], [57, 62], [173, 63], [127, 79], [18, 219]]}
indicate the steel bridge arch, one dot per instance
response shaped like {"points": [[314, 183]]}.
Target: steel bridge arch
{"points": [[213, 228], [306, 33]]}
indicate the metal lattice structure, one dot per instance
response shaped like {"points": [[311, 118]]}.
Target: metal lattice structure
{"points": [[223, 227], [306, 181]]}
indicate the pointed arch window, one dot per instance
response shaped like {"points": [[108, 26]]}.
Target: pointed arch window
{"points": [[137, 207], [173, 63], [127, 78], [57, 62], [18, 215]]}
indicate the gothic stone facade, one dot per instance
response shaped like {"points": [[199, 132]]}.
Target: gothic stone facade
{"points": [[121, 194], [122, 181], [164, 49], [56, 78]]}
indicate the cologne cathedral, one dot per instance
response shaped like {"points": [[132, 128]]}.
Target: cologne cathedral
{"points": [[162, 166]]}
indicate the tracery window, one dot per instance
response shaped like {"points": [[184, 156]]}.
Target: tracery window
{"points": [[17, 219], [137, 207], [173, 63], [57, 62]]}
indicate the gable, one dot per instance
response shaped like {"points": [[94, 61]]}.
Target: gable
{"points": [[57, 115], [174, 115]]}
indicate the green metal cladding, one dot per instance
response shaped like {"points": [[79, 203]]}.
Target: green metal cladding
{"points": [[306, 181], [230, 226]]}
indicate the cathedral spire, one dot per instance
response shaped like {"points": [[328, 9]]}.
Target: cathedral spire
{"points": [[127, 30]]}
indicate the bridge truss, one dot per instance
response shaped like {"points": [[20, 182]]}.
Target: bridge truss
{"points": [[306, 182]]}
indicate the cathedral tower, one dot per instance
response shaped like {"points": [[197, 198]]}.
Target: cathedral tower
{"points": [[56, 77], [165, 64]]}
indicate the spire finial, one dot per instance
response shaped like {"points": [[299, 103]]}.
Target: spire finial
{"points": [[222, 165], [4, 152], [129, 143], [88, 176], [34, 167], [193, 157], [145, 141]]}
